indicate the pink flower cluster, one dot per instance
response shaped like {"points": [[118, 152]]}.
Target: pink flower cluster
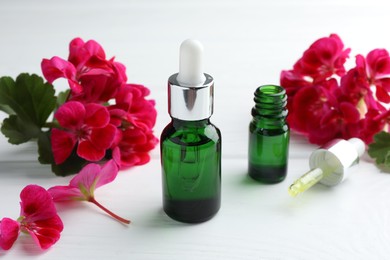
{"points": [[325, 101], [103, 114], [102, 119]]}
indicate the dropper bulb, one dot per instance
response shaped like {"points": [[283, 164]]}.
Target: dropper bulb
{"points": [[191, 64]]}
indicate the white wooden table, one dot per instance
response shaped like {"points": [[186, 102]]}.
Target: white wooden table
{"points": [[247, 43]]}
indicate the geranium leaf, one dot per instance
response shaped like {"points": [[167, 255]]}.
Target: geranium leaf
{"points": [[7, 109], [44, 148], [30, 102], [18, 131], [380, 148], [72, 165], [62, 97], [387, 158], [29, 97]]}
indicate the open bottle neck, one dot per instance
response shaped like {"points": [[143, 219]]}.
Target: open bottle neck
{"points": [[270, 106]]}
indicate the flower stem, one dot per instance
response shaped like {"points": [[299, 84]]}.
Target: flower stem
{"points": [[123, 220], [52, 125]]}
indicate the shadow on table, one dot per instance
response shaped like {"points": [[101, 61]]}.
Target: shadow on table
{"points": [[29, 169]]}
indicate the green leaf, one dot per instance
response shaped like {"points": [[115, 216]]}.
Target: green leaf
{"points": [[7, 109], [18, 131], [29, 97], [29, 101], [380, 149], [62, 97], [72, 165], [45, 154]]}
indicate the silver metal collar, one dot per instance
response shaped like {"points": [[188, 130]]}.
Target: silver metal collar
{"points": [[190, 103]]}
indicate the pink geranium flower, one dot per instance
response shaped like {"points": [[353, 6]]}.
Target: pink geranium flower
{"points": [[91, 77], [325, 57], [88, 126], [135, 116], [134, 146], [378, 73], [82, 186], [38, 217]]}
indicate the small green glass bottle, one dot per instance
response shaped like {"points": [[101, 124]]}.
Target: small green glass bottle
{"points": [[269, 135], [190, 145]]}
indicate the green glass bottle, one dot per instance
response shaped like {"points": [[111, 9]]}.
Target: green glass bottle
{"points": [[190, 145], [191, 163], [269, 135]]}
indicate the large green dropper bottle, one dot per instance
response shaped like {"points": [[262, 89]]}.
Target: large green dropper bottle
{"points": [[190, 144]]}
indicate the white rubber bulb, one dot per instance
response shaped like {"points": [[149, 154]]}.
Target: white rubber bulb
{"points": [[191, 64]]}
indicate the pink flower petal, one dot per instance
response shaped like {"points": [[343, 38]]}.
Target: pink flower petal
{"points": [[117, 114], [36, 204], [102, 138], [95, 49], [129, 159], [95, 72], [120, 70], [91, 177], [57, 68], [107, 174], [46, 232], [134, 147], [125, 95], [309, 108], [9, 232], [65, 193], [116, 156], [86, 177], [350, 112], [71, 114], [133, 136], [378, 62], [382, 94], [77, 54], [62, 144], [75, 87], [88, 151], [96, 115], [100, 85], [323, 134]]}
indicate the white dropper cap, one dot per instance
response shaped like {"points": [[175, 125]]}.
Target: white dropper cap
{"points": [[330, 165], [359, 145], [191, 64], [340, 157]]}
